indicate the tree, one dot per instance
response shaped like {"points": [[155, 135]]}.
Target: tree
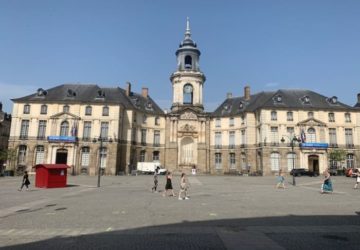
{"points": [[8, 155], [337, 156]]}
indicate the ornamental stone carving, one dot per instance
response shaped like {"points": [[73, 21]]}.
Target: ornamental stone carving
{"points": [[188, 116], [187, 128]]}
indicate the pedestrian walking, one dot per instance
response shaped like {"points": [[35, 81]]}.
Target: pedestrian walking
{"points": [[168, 186], [357, 178], [280, 180], [326, 187], [25, 181], [184, 185], [154, 188]]}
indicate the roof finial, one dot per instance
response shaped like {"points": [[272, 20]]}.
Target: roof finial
{"points": [[187, 33]]}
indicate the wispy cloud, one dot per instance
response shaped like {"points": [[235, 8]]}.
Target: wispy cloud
{"points": [[12, 90], [271, 84]]}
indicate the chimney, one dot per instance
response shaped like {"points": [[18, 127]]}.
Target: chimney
{"points": [[145, 92], [247, 93], [229, 95], [359, 98], [128, 88]]}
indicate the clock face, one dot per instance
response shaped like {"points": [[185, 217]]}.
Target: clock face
{"points": [[188, 89]]}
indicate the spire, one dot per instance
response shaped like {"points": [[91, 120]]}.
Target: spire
{"points": [[187, 32]]}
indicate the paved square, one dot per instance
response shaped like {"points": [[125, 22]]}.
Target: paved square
{"points": [[224, 212]]}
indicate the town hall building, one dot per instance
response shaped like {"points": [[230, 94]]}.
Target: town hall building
{"points": [[86, 126]]}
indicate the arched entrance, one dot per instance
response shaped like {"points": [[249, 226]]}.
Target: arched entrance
{"points": [[187, 151], [313, 163], [61, 156]]}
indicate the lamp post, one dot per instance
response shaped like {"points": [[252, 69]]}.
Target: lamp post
{"points": [[101, 140], [292, 142]]}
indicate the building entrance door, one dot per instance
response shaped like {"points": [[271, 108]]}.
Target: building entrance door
{"points": [[61, 156], [313, 163]]}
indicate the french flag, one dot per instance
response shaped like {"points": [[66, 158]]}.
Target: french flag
{"points": [[303, 136]]}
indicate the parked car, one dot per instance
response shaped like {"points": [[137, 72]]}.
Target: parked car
{"points": [[299, 171]]}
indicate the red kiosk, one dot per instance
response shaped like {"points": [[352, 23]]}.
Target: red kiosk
{"points": [[51, 175]]}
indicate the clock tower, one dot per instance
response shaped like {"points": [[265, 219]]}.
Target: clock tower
{"points": [[187, 80]]}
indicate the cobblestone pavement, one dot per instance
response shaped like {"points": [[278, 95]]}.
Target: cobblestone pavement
{"points": [[224, 212]]}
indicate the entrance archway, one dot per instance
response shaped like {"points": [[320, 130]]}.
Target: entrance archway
{"points": [[313, 163], [187, 151], [61, 156]]}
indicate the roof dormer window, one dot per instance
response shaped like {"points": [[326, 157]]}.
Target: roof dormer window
{"points": [[149, 106], [41, 92], [100, 94], [333, 100], [70, 93], [305, 99], [241, 105], [278, 99]]}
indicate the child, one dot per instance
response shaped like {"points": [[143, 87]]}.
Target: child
{"points": [[280, 180], [183, 187], [25, 181]]}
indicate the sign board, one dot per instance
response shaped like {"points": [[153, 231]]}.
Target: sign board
{"points": [[314, 145], [61, 138]]}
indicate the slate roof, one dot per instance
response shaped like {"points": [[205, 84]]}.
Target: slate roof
{"points": [[290, 99], [92, 94]]}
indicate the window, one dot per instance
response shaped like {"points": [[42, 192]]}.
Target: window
{"points": [[291, 157], [24, 129], [26, 109], [347, 117], [310, 115], [144, 118], [243, 137], [105, 111], [232, 160], [332, 136], [290, 131], [157, 120], [331, 117], [218, 140], [156, 156], [66, 109], [217, 122], [142, 156], [64, 128], [39, 158], [188, 94], [231, 122], [274, 136], [242, 118], [348, 137], [143, 136], [22, 155], [275, 161], [103, 156], [289, 116], [88, 110], [104, 132], [87, 131], [188, 62], [311, 135], [232, 139], [133, 135], [218, 161], [273, 116], [350, 163], [157, 138], [43, 109], [41, 130], [243, 161], [85, 157]]}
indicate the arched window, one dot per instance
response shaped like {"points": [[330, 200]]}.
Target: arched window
{"points": [[188, 93], [310, 114], [157, 120], [26, 109], [275, 161], [64, 128], [88, 110], [350, 162], [188, 62], [273, 116], [291, 157], [43, 109], [311, 135], [105, 111], [66, 109]]}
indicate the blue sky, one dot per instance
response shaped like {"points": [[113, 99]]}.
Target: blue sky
{"points": [[266, 44]]}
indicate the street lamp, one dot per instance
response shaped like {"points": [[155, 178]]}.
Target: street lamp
{"points": [[101, 140], [292, 142]]}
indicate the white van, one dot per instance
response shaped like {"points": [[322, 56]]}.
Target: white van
{"points": [[149, 167]]}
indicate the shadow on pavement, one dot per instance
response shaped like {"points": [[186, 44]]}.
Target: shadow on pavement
{"points": [[286, 232]]}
